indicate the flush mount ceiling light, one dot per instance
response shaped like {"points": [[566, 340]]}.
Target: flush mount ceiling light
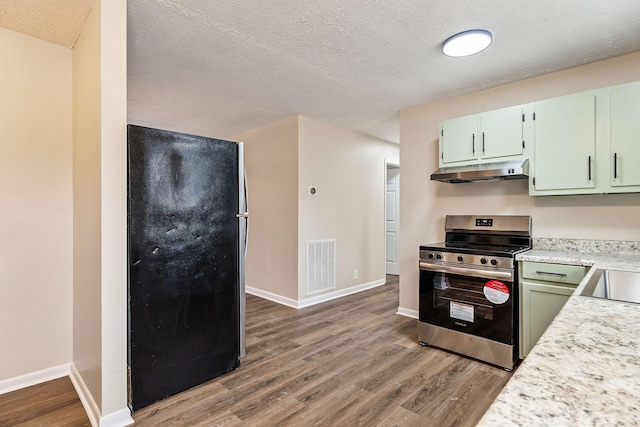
{"points": [[467, 43]]}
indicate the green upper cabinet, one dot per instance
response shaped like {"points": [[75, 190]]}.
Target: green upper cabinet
{"points": [[458, 139], [489, 136], [564, 153], [501, 133], [625, 136], [583, 143]]}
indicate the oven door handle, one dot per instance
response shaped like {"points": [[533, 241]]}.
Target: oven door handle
{"points": [[486, 274]]}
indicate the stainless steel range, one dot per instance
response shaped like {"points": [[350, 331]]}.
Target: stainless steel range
{"points": [[468, 287]]}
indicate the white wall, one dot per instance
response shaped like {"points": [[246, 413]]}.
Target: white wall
{"points": [[424, 203], [348, 169], [271, 161], [35, 205]]}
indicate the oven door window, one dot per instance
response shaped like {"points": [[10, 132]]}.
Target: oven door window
{"points": [[473, 305]]}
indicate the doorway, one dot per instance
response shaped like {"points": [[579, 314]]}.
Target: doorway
{"points": [[392, 218]]}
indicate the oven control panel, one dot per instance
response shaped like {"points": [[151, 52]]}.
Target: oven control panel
{"points": [[484, 222], [436, 257]]}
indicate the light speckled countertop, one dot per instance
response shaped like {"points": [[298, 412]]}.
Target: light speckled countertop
{"points": [[585, 369]]}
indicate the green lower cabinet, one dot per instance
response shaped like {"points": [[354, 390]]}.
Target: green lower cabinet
{"points": [[544, 289], [540, 305]]}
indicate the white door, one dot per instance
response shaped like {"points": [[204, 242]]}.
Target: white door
{"points": [[393, 219]]}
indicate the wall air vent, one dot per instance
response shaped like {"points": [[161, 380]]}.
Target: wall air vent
{"points": [[321, 266]]}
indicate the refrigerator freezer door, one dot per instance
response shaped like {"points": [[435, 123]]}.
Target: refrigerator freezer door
{"points": [[183, 261]]}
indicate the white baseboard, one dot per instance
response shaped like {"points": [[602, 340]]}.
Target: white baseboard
{"points": [[119, 418], [271, 296], [307, 302], [407, 313], [90, 406], [33, 378]]}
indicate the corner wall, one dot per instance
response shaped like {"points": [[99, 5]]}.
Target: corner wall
{"points": [[36, 281], [113, 227], [87, 301], [348, 169], [425, 203], [100, 214]]}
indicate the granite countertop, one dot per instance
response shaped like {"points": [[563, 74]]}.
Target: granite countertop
{"points": [[585, 369]]}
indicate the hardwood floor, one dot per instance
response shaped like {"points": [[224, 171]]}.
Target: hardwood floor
{"points": [[347, 362], [54, 403]]}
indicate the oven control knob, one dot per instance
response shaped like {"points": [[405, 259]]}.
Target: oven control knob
{"points": [[439, 256], [460, 258], [483, 260], [430, 256], [494, 262]]}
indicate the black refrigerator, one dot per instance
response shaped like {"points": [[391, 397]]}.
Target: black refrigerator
{"points": [[187, 220]]}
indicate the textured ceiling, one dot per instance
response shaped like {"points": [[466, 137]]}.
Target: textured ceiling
{"points": [[219, 68], [57, 21]]}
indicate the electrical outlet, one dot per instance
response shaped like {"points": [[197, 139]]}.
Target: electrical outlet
{"points": [[355, 274]]}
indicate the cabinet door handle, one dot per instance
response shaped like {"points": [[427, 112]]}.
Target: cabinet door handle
{"points": [[473, 143], [552, 274], [589, 168], [615, 165], [482, 142]]}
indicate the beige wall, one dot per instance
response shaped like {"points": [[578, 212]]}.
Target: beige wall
{"points": [[114, 274], [87, 300], [425, 203], [100, 206], [35, 205], [348, 169], [271, 161]]}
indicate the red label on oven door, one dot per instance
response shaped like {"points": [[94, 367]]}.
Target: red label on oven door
{"points": [[496, 292]]}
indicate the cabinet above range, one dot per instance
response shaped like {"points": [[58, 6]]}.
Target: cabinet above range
{"points": [[582, 143], [490, 136]]}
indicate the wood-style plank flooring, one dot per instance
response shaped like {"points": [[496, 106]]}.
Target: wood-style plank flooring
{"points": [[347, 362], [54, 403]]}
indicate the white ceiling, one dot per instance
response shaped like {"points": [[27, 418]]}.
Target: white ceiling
{"points": [[219, 68]]}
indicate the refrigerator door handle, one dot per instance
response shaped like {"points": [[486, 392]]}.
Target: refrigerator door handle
{"points": [[246, 212], [243, 217]]}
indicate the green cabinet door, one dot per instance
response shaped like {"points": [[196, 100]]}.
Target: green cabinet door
{"points": [[501, 133], [488, 136], [625, 136], [458, 139], [540, 303], [564, 146]]}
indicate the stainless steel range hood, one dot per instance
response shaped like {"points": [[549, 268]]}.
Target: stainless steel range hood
{"points": [[485, 172]]}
